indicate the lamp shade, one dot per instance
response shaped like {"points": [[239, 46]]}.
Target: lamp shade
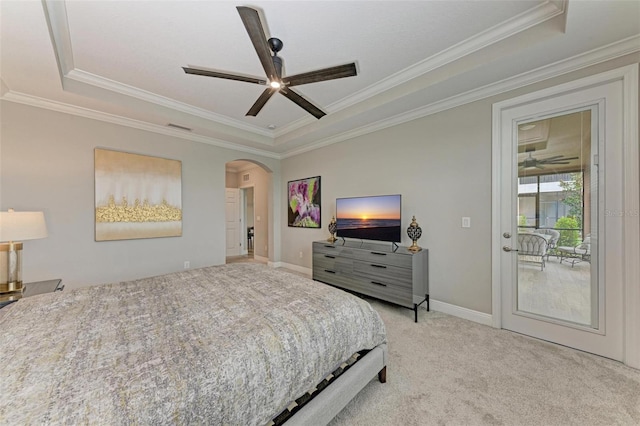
{"points": [[21, 226]]}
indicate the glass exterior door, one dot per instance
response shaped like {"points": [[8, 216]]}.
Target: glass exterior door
{"points": [[557, 219], [564, 180]]}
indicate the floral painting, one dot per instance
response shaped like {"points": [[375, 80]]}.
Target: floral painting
{"points": [[304, 203], [137, 196]]}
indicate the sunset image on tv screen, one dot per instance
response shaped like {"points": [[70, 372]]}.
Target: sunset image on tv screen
{"points": [[373, 218]]}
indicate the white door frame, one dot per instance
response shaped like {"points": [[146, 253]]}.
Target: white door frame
{"points": [[235, 215], [243, 222], [631, 195], [243, 215]]}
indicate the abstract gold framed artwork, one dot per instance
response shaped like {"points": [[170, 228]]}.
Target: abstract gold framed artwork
{"points": [[136, 196]]}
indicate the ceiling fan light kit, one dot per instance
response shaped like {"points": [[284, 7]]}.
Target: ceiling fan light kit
{"points": [[272, 65]]}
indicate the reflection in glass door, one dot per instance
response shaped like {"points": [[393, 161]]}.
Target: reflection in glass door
{"points": [[557, 193]]}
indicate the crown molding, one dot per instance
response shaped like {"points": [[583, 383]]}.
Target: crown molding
{"points": [[56, 16], [596, 56], [34, 101], [55, 13], [612, 51], [624, 47], [490, 36], [146, 96]]}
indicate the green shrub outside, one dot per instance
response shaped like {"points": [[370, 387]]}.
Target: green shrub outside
{"points": [[568, 238], [522, 220]]}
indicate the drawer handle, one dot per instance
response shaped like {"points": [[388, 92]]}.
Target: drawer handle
{"points": [[329, 246], [378, 253], [378, 266], [330, 271], [377, 283], [330, 257]]}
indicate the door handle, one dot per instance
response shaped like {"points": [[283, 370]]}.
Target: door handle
{"points": [[508, 249]]}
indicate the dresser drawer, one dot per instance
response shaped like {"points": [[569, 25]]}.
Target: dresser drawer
{"points": [[335, 249], [338, 279], [380, 257], [385, 274], [332, 262], [386, 292], [364, 286], [327, 248]]}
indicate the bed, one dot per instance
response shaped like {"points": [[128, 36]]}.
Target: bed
{"points": [[233, 344]]}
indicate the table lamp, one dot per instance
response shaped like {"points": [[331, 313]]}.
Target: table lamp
{"points": [[15, 227]]}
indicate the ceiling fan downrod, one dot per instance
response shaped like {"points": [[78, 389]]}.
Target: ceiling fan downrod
{"points": [[275, 44]]}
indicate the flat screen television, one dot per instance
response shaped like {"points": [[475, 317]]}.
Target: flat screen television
{"points": [[369, 218]]}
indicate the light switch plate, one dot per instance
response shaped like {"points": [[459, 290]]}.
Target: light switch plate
{"points": [[466, 222]]}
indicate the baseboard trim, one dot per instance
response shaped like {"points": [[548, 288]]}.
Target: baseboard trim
{"points": [[460, 312]]}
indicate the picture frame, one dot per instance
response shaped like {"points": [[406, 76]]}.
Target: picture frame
{"points": [[304, 203], [136, 196]]}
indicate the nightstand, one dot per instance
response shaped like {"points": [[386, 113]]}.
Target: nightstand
{"points": [[31, 289]]}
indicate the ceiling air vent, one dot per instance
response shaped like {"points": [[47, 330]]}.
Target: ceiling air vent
{"points": [[177, 126]]}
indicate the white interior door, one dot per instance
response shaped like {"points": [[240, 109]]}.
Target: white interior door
{"points": [[232, 223], [537, 294]]}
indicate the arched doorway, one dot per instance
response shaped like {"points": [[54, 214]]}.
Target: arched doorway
{"points": [[248, 229]]}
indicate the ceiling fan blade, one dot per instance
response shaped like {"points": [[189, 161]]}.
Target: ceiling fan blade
{"points": [[218, 74], [262, 100], [332, 73], [555, 157], [253, 25], [302, 102], [560, 159]]}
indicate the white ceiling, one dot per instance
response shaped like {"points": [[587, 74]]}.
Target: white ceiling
{"points": [[120, 61]]}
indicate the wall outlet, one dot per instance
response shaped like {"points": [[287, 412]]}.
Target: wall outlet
{"points": [[187, 264], [466, 222], [300, 255]]}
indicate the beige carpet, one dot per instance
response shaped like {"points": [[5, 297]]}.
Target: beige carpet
{"points": [[449, 371]]}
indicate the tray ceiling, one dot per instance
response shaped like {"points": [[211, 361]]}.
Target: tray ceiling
{"points": [[121, 61]]}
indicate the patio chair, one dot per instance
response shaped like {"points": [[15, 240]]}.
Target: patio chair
{"points": [[532, 248], [552, 241], [579, 253]]}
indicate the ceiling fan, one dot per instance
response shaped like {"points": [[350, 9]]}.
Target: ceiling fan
{"points": [[534, 162], [272, 65]]}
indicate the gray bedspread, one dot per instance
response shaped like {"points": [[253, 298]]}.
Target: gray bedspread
{"points": [[232, 344]]}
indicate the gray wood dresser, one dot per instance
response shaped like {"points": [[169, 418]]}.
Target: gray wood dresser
{"points": [[379, 270]]}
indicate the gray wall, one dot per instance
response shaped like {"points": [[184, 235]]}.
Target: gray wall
{"points": [[46, 163], [442, 173], [441, 164]]}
